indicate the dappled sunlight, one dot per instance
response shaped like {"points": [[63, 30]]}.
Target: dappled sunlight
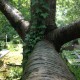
{"points": [[11, 62], [15, 12]]}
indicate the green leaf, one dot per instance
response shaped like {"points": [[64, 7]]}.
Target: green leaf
{"points": [[34, 2], [46, 6], [44, 15], [38, 10]]}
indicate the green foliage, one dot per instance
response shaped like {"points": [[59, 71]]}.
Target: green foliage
{"points": [[32, 38], [14, 73], [38, 25], [68, 54], [2, 43], [44, 15], [67, 11], [75, 70], [23, 6], [5, 28], [11, 46], [73, 66]]}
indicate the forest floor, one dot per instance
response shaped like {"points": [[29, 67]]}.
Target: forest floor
{"points": [[11, 64], [14, 57]]}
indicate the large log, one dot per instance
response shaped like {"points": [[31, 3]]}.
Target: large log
{"points": [[46, 64]]}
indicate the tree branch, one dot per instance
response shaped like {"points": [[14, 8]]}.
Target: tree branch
{"points": [[65, 34], [15, 18]]}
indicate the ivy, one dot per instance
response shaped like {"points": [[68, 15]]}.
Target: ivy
{"points": [[38, 26], [44, 15]]}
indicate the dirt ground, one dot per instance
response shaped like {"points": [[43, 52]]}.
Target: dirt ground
{"points": [[14, 57]]}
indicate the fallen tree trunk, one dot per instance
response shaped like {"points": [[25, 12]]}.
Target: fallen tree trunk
{"points": [[46, 64]]}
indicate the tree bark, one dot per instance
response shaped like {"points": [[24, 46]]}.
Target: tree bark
{"points": [[15, 18], [49, 21], [65, 34], [46, 64]]}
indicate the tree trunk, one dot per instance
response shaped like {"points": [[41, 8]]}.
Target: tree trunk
{"points": [[46, 64]]}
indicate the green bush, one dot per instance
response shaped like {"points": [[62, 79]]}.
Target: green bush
{"points": [[75, 69], [14, 73]]}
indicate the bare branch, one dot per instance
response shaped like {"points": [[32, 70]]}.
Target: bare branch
{"points": [[65, 34], [15, 18]]}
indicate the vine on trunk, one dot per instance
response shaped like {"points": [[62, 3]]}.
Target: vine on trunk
{"points": [[36, 33]]}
